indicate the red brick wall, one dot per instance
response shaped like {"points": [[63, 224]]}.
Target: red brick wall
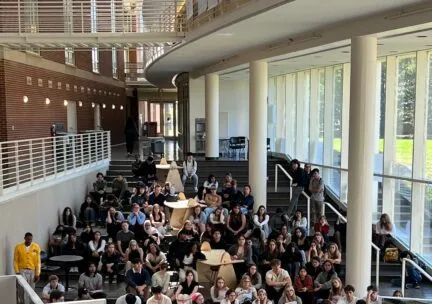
{"points": [[3, 128], [33, 119]]}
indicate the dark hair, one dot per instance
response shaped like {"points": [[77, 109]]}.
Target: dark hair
{"points": [[295, 161], [262, 206], [156, 289], [136, 261], [210, 177], [249, 186], [56, 295], [189, 154], [150, 158], [89, 264], [315, 170], [82, 291], [301, 212], [99, 174], [156, 246], [187, 273], [316, 258], [28, 234], [100, 239], [349, 288], [201, 192], [372, 288], [230, 291], [275, 262], [361, 301], [67, 219]]}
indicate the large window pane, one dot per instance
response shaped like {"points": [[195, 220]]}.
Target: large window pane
{"points": [[381, 91], [337, 115], [402, 210], [305, 114], [406, 89], [428, 165], [427, 226]]}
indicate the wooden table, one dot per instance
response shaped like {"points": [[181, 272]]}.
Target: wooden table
{"points": [[217, 264], [181, 212]]}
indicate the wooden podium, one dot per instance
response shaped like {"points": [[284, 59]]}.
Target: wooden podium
{"points": [[217, 264]]}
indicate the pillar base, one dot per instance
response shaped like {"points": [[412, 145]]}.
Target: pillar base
{"points": [[212, 158]]}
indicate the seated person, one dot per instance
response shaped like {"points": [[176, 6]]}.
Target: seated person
{"points": [[289, 296], [134, 252], [56, 296], [156, 197], [57, 240], [233, 195], [157, 220], [148, 171], [241, 251], [188, 229], [217, 242], [162, 278], [255, 276], [50, 287], [138, 279], [177, 250], [313, 268], [248, 201], [276, 280], [140, 196], [230, 297], [382, 231], [322, 226], [154, 258], [262, 298], [172, 197], [189, 171], [120, 187], [198, 219], [189, 261], [303, 284], [136, 165], [96, 247], [227, 181], [89, 210], [276, 222], [136, 221], [211, 181], [92, 281], [236, 224], [68, 219], [299, 220], [113, 223], [271, 252], [74, 247], [110, 261], [217, 219], [292, 259], [260, 220], [336, 291], [246, 293], [129, 299], [99, 188], [372, 296], [349, 297], [150, 235], [87, 235], [212, 200], [188, 286], [414, 276], [124, 236], [323, 281], [158, 297], [314, 251], [218, 290], [334, 255]]}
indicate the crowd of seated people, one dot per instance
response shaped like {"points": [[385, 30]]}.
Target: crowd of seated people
{"points": [[282, 259]]}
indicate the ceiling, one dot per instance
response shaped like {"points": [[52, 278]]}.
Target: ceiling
{"points": [[310, 24]]}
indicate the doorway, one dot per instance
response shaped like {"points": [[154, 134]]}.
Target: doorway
{"points": [[72, 117], [164, 114]]}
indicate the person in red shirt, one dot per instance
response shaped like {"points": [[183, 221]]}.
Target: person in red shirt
{"points": [[303, 285], [323, 227]]}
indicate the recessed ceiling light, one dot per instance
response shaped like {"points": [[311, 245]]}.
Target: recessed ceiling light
{"points": [[422, 36]]}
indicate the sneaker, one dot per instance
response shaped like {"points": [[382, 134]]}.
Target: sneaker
{"points": [[416, 286]]}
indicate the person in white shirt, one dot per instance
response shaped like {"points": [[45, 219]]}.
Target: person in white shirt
{"points": [[372, 296], [189, 171], [349, 297], [158, 297], [128, 299], [276, 280], [51, 286]]}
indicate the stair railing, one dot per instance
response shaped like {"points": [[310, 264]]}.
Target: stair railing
{"points": [[405, 299], [307, 197], [414, 264], [377, 249]]}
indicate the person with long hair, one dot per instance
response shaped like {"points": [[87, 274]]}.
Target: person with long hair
{"points": [[133, 252], [218, 290], [334, 255], [302, 242], [157, 220], [217, 219], [289, 296], [131, 134], [211, 181], [162, 278], [299, 220], [88, 210], [271, 252], [110, 261], [188, 286], [236, 224], [230, 297], [262, 297], [96, 247], [189, 260], [68, 219], [74, 247], [382, 231], [241, 251], [154, 258], [303, 284], [113, 223], [198, 219], [261, 219], [190, 231], [150, 235], [246, 293], [292, 259], [323, 281], [314, 251], [322, 226], [336, 291], [255, 276], [319, 239]]}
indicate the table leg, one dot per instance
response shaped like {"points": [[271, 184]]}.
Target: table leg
{"points": [[67, 269]]}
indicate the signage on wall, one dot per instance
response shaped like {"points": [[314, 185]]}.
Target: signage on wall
{"points": [[189, 9]]}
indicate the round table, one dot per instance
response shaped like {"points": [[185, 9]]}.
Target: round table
{"points": [[67, 261]]}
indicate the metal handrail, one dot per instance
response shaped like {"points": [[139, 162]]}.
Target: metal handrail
{"points": [[286, 174], [404, 260], [377, 249], [405, 299], [308, 199], [31, 294]]}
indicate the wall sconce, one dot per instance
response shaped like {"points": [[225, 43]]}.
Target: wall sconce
{"points": [[80, 103], [25, 99], [65, 102], [93, 105], [47, 101], [121, 108], [113, 107], [103, 105]]}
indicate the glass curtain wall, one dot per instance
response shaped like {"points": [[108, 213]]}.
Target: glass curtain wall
{"points": [[311, 124]]}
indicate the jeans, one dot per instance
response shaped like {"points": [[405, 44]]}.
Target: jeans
{"points": [[317, 210], [194, 178], [292, 207], [414, 276], [90, 215]]}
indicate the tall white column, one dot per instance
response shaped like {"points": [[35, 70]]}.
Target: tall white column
{"points": [[212, 116], [361, 161], [258, 92]]}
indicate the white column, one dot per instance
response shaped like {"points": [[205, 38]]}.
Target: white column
{"points": [[360, 162], [345, 131], [290, 103], [212, 116], [258, 92]]}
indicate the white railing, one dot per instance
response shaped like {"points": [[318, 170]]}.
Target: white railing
{"points": [[414, 264], [377, 249], [25, 163], [24, 292], [278, 166], [405, 299]]}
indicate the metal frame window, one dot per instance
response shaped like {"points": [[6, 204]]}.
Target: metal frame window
{"points": [[114, 63], [69, 56], [95, 60]]}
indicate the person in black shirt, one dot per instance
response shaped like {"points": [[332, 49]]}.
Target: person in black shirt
{"points": [[157, 197], [217, 242], [138, 280], [177, 250], [148, 171], [110, 261], [313, 267], [298, 184], [189, 286]]}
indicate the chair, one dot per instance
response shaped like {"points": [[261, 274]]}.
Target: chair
{"points": [[237, 144]]}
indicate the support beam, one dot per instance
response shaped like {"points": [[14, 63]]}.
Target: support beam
{"points": [[212, 116]]}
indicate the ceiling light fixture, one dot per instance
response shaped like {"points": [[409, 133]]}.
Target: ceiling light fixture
{"points": [[103, 106], [293, 41], [121, 108], [113, 107], [25, 99], [80, 104], [406, 13], [93, 105], [65, 102], [47, 101]]}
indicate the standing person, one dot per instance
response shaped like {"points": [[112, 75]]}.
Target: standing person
{"points": [[316, 188], [189, 171], [131, 134], [27, 261], [298, 184]]}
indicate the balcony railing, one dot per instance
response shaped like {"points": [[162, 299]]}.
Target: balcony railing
{"points": [[31, 162], [134, 73]]}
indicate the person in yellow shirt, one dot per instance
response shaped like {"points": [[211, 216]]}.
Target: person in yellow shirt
{"points": [[27, 260]]}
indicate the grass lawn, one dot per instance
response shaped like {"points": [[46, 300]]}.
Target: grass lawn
{"points": [[404, 152]]}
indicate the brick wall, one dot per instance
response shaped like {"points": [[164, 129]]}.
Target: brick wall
{"points": [[3, 128], [33, 119]]}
